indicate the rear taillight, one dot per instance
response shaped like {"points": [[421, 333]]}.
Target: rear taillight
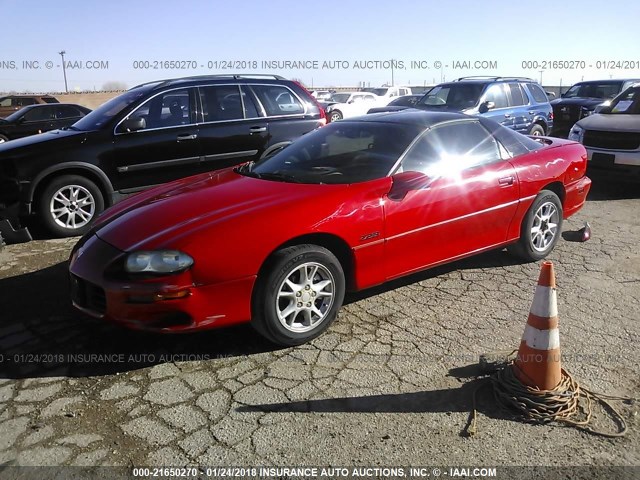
{"points": [[551, 116], [323, 114]]}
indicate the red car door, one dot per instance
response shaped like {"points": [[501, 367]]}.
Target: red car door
{"points": [[466, 205]]}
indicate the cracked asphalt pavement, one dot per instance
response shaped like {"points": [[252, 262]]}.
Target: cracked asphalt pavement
{"points": [[390, 383]]}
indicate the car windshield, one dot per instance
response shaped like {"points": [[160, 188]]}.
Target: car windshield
{"points": [[628, 102], [455, 96], [406, 101], [340, 153], [108, 110], [594, 90], [340, 97], [381, 92]]}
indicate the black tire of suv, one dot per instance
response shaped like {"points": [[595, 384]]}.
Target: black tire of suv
{"points": [[280, 267], [3, 139], [536, 130], [44, 202]]}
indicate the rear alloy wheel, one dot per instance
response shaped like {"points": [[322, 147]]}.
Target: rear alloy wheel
{"points": [[541, 228], [536, 131], [300, 295], [69, 204], [335, 115]]}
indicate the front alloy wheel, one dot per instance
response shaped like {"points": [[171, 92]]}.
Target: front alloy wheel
{"points": [[298, 294], [68, 205], [305, 297], [72, 206]]}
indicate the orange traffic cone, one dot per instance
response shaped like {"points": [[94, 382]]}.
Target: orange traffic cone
{"points": [[538, 360]]}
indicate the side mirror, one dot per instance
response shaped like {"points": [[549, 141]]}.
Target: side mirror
{"points": [[562, 95], [132, 125], [602, 109], [21, 120], [406, 182], [485, 107]]}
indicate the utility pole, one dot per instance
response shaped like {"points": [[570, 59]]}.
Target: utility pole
{"points": [[541, 76], [64, 71], [392, 72]]}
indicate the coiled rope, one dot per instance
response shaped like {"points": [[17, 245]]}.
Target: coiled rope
{"points": [[561, 404]]}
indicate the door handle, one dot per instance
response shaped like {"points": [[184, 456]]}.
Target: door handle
{"points": [[184, 138], [532, 112], [506, 181], [507, 115], [257, 129]]}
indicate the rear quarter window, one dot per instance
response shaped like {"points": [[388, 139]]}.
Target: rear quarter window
{"points": [[278, 100], [538, 94]]}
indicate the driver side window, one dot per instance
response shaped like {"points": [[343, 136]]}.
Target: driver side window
{"points": [[451, 148]]}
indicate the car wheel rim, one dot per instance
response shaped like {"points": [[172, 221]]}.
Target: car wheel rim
{"points": [[335, 117], [305, 297], [545, 227], [72, 207], [536, 133]]}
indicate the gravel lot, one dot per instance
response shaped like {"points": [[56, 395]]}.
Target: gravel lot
{"points": [[390, 383]]}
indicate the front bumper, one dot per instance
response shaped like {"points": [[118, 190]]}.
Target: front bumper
{"points": [[618, 160], [143, 304]]}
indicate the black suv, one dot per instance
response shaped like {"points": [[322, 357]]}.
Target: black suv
{"points": [[581, 100], [151, 134], [515, 102]]}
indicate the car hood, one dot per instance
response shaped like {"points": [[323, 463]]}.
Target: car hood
{"points": [[165, 214], [615, 122], [52, 136], [588, 102]]}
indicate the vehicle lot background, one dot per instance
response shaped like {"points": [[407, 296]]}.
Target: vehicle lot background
{"points": [[389, 384]]}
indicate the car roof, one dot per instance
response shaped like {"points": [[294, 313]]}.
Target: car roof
{"points": [[412, 116], [199, 79], [609, 80]]}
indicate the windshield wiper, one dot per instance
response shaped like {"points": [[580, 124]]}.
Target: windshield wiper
{"points": [[277, 176]]}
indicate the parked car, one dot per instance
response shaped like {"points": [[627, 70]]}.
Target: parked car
{"points": [[346, 207], [404, 101], [13, 103], [581, 100], [386, 94], [349, 104], [612, 135], [39, 118], [515, 102], [151, 134]]}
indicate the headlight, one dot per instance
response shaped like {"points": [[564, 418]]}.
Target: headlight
{"points": [[577, 133], [586, 113], [161, 261]]}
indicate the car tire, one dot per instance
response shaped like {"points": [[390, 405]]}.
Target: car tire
{"points": [[3, 138], [536, 130], [541, 228], [335, 115], [68, 220], [299, 295]]}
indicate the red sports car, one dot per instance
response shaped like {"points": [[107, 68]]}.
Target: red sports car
{"points": [[346, 207]]}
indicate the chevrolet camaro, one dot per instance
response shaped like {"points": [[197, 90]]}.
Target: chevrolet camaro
{"points": [[277, 242]]}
